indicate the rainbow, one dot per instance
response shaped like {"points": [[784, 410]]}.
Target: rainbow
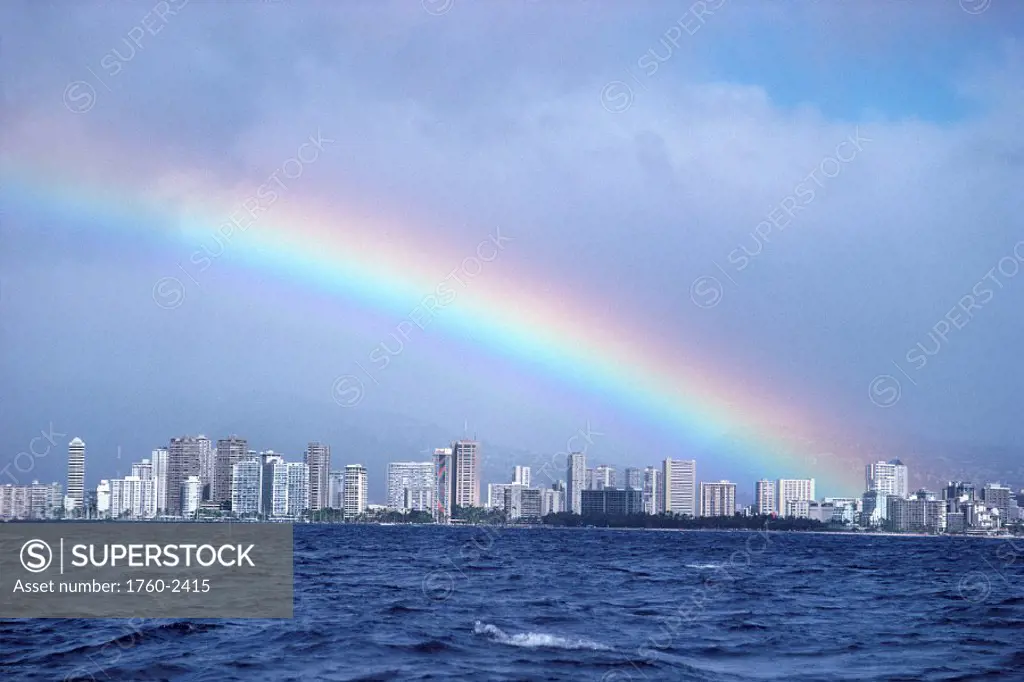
{"points": [[500, 311]]}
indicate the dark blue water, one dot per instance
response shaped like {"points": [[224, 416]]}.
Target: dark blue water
{"points": [[435, 603]]}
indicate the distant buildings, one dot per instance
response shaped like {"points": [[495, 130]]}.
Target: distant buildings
{"points": [[411, 486], [718, 499], [36, 501], [764, 497], [680, 483], [275, 484], [76, 478], [603, 477], [159, 459], [336, 489], [922, 513], [298, 489], [355, 490], [575, 476], [318, 459], [521, 475]]}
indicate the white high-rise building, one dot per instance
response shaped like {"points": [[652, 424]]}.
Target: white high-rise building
{"points": [[466, 473], [654, 491], [792, 490], [521, 475], [604, 477], [103, 499], [159, 459], [247, 487], [147, 507], [275, 484], [298, 488], [411, 486], [76, 478], [207, 466], [552, 501], [191, 495], [680, 482], [355, 490], [718, 499], [576, 481], [131, 497], [15, 502], [336, 489], [230, 451], [889, 477], [496, 494], [318, 458], [764, 497]]}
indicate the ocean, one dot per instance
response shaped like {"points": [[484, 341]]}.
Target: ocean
{"points": [[475, 603]]}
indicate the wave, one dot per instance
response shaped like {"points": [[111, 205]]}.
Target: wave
{"points": [[535, 640], [710, 564]]}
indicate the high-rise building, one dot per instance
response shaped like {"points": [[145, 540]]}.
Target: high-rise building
{"points": [[521, 475], [604, 477], [207, 465], [410, 486], [680, 482], [298, 488], [998, 496], [247, 487], [335, 489], [634, 478], [920, 513], [522, 502], [230, 451], [718, 499], [764, 497], [874, 508], [356, 489], [793, 490], [191, 495], [43, 500], [131, 497], [575, 476], [496, 494], [443, 485], [654, 491], [275, 484], [466, 473], [318, 458], [159, 459], [612, 502], [889, 477], [185, 456], [147, 506], [552, 501], [14, 502], [103, 499], [76, 478]]}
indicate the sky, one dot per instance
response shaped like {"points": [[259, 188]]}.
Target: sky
{"points": [[780, 238]]}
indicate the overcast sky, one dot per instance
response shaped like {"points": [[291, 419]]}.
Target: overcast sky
{"points": [[651, 161]]}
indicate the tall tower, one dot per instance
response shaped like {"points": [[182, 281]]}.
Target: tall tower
{"points": [[654, 491], [230, 451], [443, 485], [764, 497], [466, 473], [184, 459], [76, 478], [159, 459], [576, 483], [355, 488], [634, 479], [680, 481], [318, 458]]}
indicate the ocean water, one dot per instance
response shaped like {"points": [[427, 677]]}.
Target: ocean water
{"points": [[437, 603]]}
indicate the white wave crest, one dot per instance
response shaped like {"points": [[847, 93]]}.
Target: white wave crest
{"points": [[707, 565], [534, 640]]}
